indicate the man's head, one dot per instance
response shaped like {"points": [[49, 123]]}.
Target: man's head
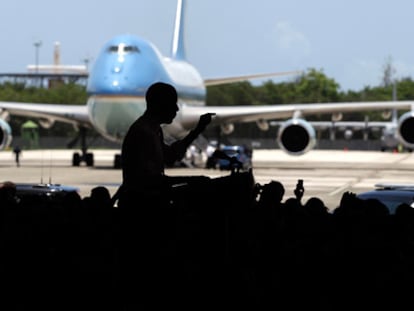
{"points": [[161, 101], [273, 192]]}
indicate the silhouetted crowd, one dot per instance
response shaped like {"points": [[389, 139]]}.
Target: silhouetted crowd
{"points": [[240, 245]]}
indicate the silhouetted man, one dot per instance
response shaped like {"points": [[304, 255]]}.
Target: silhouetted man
{"points": [[145, 222], [144, 152]]}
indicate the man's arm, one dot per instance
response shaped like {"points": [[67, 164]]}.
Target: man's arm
{"points": [[180, 147]]}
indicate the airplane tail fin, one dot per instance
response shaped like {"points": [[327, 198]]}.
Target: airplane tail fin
{"points": [[177, 49]]}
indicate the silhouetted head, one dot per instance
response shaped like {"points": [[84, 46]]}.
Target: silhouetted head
{"points": [[315, 206], [100, 196], [272, 192], [7, 192], [101, 193], [161, 101]]}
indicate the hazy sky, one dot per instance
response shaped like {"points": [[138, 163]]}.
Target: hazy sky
{"points": [[350, 40]]}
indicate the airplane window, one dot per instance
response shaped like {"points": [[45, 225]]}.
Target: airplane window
{"points": [[123, 49], [130, 48]]}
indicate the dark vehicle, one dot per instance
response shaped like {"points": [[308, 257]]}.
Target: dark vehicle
{"points": [[32, 192], [391, 195], [234, 157]]}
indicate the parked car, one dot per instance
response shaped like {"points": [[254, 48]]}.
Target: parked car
{"points": [[33, 192], [391, 195], [230, 157]]}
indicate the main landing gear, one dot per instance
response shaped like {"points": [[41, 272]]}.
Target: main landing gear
{"points": [[84, 156]]}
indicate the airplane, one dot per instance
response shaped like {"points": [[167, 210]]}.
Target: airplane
{"points": [[127, 65]]}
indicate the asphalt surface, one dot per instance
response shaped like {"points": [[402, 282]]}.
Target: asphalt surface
{"points": [[327, 174]]}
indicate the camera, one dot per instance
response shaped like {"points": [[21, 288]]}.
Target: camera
{"points": [[299, 190]]}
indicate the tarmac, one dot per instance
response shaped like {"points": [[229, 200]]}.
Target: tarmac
{"points": [[327, 174]]}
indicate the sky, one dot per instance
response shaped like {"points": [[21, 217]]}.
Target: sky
{"points": [[349, 40]]}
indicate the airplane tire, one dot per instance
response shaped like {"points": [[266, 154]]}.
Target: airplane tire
{"points": [[89, 159], [76, 159], [117, 161]]}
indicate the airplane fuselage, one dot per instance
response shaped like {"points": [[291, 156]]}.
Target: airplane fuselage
{"points": [[123, 71]]}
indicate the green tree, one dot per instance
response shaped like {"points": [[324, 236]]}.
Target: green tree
{"points": [[315, 87], [232, 94]]}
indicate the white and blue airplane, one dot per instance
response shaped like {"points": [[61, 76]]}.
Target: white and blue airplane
{"points": [[127, 65]]}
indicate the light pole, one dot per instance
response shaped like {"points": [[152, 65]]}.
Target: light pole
{"points": [[37, 45], [87, 61]]}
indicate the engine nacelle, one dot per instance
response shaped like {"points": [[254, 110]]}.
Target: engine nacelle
{"points": [[5, 134], [227, 128], [405, 129], [263, 125], [296, 136]]}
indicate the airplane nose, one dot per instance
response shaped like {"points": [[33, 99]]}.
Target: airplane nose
{"points": [[130, 76]]}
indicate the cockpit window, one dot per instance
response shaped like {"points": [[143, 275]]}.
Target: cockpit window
{"points": [[130, 48], [122, 49]]}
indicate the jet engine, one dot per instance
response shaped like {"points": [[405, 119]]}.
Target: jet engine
{"points": [[5, 134], [296, 136], [405, 129]]}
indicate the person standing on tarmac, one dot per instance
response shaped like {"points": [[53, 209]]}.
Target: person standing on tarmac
{"points": [[17, 151]]}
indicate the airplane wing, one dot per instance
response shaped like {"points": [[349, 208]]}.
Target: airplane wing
{"points": [[341, 125], [78, 114], [237, 114], [295, 135], [75, 114]]}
